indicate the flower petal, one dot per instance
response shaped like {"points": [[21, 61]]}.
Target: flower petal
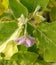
{"points": [[20, 40], [32, 40], [29, 42]]}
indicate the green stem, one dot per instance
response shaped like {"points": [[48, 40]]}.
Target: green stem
{"points": [[25, 32]]}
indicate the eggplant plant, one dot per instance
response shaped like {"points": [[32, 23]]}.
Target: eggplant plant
{"points": [[27, 32]]}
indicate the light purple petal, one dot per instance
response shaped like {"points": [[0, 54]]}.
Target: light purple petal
{"points": [[29, 42], [20, 40], [32, 40]]}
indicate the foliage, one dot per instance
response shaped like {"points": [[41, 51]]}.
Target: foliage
{"points": [[38, 17]]}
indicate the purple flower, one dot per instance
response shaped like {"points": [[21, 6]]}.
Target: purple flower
{"points": [[27, 41]]}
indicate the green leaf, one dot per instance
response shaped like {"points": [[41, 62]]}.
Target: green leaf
{"points": [[52, 3], [43, 3], [46, 34], [53, 14], [22, 48], [30, 29], [42, 63], [32, 4], [26, 58], [6, 30], [17, 8]]}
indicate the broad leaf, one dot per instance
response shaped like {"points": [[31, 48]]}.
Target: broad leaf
{"points": [[25, 58], [6, 30], [43, 3], [22, 48], [32, 4], [46, 34], [53, 14], [42, 63], [17, 8]]}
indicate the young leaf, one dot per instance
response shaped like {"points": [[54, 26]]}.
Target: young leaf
{"points": [[1, 9], [5, 3], [10, 49]]}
